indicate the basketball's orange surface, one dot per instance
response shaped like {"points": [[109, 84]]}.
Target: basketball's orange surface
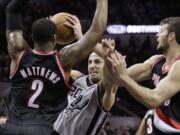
{"points": [[65, 34]]}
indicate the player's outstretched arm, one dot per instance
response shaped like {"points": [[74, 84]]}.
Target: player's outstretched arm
{"points": [[151, 98], [142, 71], [14, 34], [75, 52], [107, 88]]}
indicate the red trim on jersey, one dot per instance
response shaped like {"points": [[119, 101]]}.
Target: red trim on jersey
{"points": [[156, 60], [167, 120], [61, 67], [14, 69], [178, 56], [165, 68], [42, 52]]}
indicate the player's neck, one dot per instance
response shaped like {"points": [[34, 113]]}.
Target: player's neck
{"points": [[44, 46], [172, 53]]}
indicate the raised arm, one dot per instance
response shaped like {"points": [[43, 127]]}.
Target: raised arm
{"points": [[107, 88], [14, 34], [75, 52], [142, 71]]}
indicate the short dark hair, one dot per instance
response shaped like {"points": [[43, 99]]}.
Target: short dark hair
{"points": [[43, 30], [173, 26]]}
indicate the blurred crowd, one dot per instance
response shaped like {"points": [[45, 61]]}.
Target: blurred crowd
{"points": [[108, 129]]}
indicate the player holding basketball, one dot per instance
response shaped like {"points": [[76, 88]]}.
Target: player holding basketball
{"points": [[164, 70], [40, 76], [91, 99]]}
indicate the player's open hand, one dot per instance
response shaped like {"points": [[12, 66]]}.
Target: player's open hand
{"points": [[74, 23], [118, 65], [108, 46]]}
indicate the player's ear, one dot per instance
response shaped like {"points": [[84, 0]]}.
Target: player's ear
{"points": [[172, 36], [54, 39]]}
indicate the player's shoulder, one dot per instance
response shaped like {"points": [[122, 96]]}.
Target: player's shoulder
{"points": [[154, 59], [75, 74], [176, 65], [81, 81]]}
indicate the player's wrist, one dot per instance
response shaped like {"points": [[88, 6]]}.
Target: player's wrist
{"points": [[122, 80], [79, 36]]}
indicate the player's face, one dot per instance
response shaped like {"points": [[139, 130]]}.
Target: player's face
{"points": [[95, 67], [162, 38]]}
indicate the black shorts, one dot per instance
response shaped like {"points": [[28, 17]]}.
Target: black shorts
{"points": [[11, 128], [151, 129]]}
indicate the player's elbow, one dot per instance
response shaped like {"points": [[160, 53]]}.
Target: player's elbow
{"points": [[154, 101]]}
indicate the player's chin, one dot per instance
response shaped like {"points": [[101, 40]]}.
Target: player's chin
{"points": [[158, 46], [95, 78]]}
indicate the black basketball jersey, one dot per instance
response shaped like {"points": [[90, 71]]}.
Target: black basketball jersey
{"points": [[39, 91], [169, 112]]}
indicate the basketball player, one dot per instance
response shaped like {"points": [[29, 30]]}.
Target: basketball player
{"points": [[164, 99], [40, 76], [91, 98]]}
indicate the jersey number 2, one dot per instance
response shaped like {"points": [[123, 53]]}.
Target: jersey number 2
{"points": [[37, 86]]}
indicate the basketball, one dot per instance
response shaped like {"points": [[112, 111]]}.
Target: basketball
{"points": [[64, 33]]}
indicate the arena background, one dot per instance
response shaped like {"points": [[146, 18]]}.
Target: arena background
{"points": [[137, 46]]}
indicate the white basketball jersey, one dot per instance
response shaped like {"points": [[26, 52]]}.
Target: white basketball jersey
{"points": [[84, 114]]}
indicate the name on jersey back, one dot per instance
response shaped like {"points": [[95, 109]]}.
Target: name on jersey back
{"points": [[40, 71]]}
